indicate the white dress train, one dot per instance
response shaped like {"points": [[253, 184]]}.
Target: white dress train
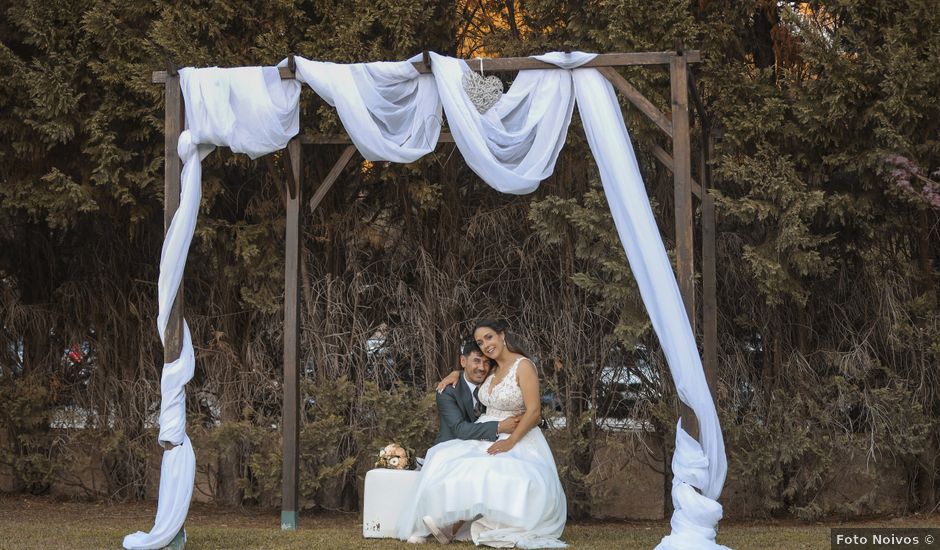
{"points": [[514, 499]]}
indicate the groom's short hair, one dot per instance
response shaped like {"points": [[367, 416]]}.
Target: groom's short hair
{"points": [[469, 346]]}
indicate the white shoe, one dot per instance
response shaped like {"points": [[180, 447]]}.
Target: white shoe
{"points": [[438, 534], [415, 539]]}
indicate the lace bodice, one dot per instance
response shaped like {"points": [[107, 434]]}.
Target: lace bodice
{"points": [[505, 398]]}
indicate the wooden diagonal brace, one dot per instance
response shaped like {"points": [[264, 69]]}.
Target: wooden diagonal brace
{"points": [[639, 100], [666, 159], [332, 176]]}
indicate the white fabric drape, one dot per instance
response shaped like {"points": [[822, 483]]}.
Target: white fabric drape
{"points": [[252, 111], [629, 204], [392, 113], [704, 465], [515, 144]]}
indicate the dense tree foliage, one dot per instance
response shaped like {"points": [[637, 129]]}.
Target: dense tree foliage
{"points": [[828, 248]]}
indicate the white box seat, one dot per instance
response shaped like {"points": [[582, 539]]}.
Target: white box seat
{"points": [[387, 492]]}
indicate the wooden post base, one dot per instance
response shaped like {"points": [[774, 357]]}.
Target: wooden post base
{"points": [[178, 542], [288, 521]]}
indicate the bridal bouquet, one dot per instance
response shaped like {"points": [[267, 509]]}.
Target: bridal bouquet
{"points": [[396, 457]]}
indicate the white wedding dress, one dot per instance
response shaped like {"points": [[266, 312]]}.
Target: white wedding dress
{"points": [[514, 499]]}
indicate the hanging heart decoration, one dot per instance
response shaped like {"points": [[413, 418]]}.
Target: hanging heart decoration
{"points": [[482, 92]]}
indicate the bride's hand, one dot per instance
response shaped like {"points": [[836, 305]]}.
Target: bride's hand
{"points": [[500, 446], [449, 380]]}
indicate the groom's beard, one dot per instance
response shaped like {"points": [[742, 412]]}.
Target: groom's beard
{"points": [[477, 374]]}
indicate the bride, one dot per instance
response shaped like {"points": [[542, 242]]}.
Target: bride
{"points": [[508, 491]]}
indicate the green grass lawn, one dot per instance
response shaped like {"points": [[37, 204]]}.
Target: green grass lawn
{"points": [[40, 523]]}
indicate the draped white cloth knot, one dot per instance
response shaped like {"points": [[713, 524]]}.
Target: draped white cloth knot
{"points": [[393, 113], [252, 111], [695, 516], [247, 109], [629, 204]]}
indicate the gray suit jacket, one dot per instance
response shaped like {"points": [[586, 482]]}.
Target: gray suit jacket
{"points": [[455, 410]]}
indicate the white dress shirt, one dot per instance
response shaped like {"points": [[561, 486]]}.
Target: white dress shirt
{"points": [[473, 388]]}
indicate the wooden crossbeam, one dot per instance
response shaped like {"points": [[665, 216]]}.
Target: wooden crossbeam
{"points": [[343, 139], [501, 64]]}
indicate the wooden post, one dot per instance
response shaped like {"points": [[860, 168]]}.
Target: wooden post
{"points": [[173, 339], [709, 270], [682, 178], [291, 408], [174, 121]]}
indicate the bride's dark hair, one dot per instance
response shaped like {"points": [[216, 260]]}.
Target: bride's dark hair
{"points": [[512, 342]]}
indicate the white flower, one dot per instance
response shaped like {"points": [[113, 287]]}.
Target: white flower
{"points": [[393, 461]]}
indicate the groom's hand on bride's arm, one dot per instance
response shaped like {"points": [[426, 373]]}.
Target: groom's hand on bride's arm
{"points": [[508, 425], [449, 380]]}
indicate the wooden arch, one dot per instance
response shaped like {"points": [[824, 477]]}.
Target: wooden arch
{"points": [[675, 125]]}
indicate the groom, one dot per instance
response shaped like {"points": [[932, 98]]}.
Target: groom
{"points": [[458, 407]]}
